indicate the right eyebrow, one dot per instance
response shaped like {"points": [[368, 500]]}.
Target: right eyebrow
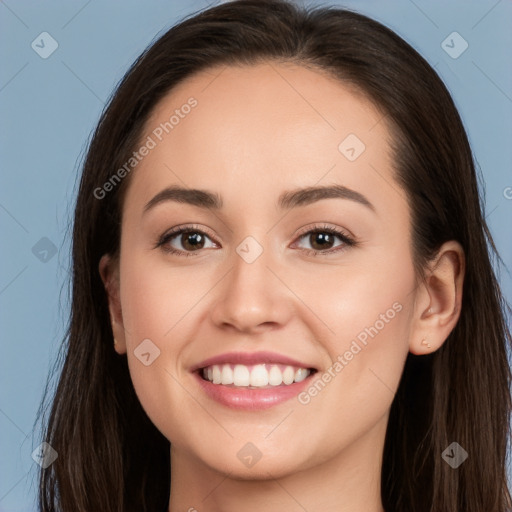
{"points": [[195, 197]]}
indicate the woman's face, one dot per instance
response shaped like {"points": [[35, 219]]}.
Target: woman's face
{"points": [[272, 283]]}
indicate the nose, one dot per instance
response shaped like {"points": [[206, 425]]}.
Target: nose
{"points": [[251, 298]]}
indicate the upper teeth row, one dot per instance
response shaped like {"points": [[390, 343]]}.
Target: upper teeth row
{"points": [[259, 375]]}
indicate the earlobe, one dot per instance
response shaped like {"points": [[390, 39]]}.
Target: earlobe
{"points": [[439, 300], [109, 272]]}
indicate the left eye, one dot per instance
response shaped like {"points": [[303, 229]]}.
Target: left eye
{"points": [[324, 240]]}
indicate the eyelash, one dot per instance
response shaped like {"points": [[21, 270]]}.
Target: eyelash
{"points": [[173, 233]]}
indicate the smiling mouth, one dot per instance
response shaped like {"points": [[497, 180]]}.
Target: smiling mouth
{"points": [[257, 376]]}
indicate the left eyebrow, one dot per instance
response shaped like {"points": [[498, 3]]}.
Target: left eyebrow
{"points": [[305, 196]]}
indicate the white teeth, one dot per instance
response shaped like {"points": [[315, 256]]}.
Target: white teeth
{"points": [[288, 375], [217, 376], [227, 374], [301, 374], [257, 376], [241, 376], [275, 377]]}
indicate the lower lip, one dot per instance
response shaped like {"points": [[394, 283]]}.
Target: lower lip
{"points": [[251, 399]]}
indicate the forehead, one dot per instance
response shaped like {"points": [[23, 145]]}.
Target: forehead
{"points": [[270, 124]]}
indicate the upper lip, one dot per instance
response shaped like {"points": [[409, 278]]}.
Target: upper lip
{"points": [[250, 358]]}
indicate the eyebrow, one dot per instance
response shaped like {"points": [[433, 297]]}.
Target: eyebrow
{"points": [[287, 200]]}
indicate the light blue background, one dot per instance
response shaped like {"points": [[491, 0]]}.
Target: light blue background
{"points": [[49, 107]]}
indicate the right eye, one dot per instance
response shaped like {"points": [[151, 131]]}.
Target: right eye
{"points": [[185, 241]]}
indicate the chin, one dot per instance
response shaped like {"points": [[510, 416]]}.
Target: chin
{"points": [[245, 461]]}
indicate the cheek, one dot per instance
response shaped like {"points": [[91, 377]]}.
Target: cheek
{"points": [[366, 298], [155, 297], [368, 311], [155, 305]]}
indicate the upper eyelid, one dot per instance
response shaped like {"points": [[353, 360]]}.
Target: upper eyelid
{"points": [[320, 228], [193, 228]]}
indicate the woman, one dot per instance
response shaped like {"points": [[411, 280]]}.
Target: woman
{"points": [[282, 292]]}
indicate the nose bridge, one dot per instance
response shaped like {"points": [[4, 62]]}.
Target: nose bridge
{"points": [[251, 295]]}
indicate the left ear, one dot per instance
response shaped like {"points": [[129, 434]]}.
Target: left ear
{"points": [[438, 300]]}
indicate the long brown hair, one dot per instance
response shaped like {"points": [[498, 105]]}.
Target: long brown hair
{"points": [[111, 457]]}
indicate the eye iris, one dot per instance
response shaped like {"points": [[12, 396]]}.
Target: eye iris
{"points": [[192, 240], [321, 240]]}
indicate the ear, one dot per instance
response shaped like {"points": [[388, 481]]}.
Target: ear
{"points": [[109, 272], [438, 300]]}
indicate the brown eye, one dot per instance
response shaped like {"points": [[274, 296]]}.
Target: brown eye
{"points": [[185, 241], [324, 241], [192, 240], [321, 240]]}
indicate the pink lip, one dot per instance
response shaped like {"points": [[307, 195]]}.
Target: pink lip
{"points": [[245, 398], [251, 399], [249, 358]]}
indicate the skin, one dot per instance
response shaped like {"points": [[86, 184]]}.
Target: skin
{"points": [[256, 132]]}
